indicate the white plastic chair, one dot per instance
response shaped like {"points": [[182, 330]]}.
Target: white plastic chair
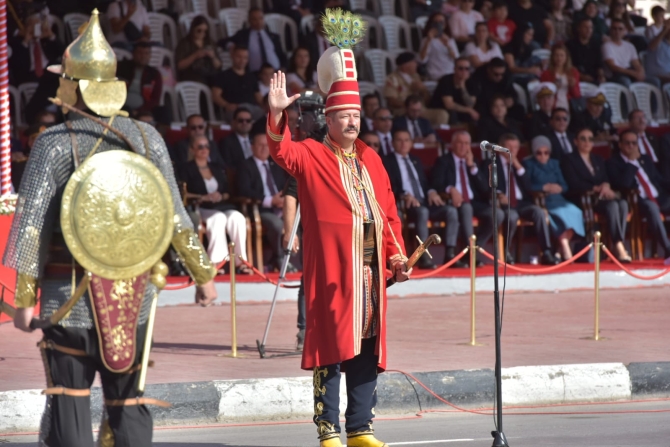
{"points": [[382, 65], [587, 89], [186, 19], [198, 6], [163, 29], [366, 88], [666, 90], [522, 98], [188, 99], [60, 26], [307, 24], [73, 21], [615, 94], [277, 24], [243, 4], [158, 56], [421, 22], [643, 92], [121, 54], [373, 28], [232, 20], [394, 27], [16, 109], [157, 5], [532, 100], [542, 53], [387, 7], [225, 58], [169, 99]]}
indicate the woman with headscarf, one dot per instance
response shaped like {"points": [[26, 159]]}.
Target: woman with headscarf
{"points": [[545, 176]]}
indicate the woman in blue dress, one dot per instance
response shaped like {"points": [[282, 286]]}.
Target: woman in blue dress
{"points": [[545, 175]]}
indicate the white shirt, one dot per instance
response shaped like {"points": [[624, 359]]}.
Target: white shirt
{"points": [[293, 78], [652, 31], [641, 139], [462, 24], [246, 145], [520, 172], [473, 50], [438, 61], [382, 141], [474, 170], [140, 18], [564, 140], [211, 185], [405, 175], [369, 122], [641, 171], [622, 55], [255, 58], [263, 89], [267, 196]]}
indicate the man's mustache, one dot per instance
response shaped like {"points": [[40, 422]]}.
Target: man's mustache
{"points": [[354, 128]]}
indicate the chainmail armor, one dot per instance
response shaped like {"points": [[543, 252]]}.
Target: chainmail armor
{"points": [[38, 207]]}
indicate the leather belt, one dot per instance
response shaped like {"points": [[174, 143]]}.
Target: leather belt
{"points": [[137, 401], [48, 344], [61, 270], [62, 391]]}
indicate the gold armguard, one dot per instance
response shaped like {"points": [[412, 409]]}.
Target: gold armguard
{"points": [[26, 291], [192, 253]]}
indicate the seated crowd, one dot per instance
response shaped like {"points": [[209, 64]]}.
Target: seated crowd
{"points": [[474, 52]]}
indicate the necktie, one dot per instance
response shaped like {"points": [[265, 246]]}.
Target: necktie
{"points": [[261, 46], [512, 188], [416, 189], [645, 185], [245, 148], [464, 183], [566, 146], [647, 148], [37, 55], [387, 145], [269, 181], [417, 130]]}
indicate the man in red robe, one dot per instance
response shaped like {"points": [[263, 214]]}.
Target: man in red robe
{"points": [[351, 233]]}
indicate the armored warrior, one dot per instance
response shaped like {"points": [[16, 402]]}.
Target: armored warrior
{"points": [[351, 232], [97, 209]]}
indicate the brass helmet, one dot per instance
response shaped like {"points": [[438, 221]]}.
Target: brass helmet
{"points": [[90, 64]]}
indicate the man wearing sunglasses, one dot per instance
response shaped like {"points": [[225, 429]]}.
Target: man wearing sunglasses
{"points": [[236, 147], [196, 127], [630, 170], [561, 139]]}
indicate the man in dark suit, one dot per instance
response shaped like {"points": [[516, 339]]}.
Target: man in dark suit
{"points": [[519, 198], [236, 147], [418, 127], [630, 170], [197, 127], [33, 49], [562, 141], [647, 143], [264, 46], [370, 104], [409, 182], [382, 124], [145, 95], [457, 174], [260, 178]]}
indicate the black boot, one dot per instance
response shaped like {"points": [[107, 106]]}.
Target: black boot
{"points": [[548, 258], [450, 254]]}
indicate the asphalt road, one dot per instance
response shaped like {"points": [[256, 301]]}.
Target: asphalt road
{"points": [[649, 428]]}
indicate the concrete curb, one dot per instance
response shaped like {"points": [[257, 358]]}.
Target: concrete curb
{"points": [[291, 398]]}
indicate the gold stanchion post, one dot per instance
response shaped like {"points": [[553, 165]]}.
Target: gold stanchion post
{"points": [[596, 245], [233, 303], [473, 292]]}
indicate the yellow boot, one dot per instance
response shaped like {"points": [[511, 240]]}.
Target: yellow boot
{"points": [[332, 442], [368, 440]]}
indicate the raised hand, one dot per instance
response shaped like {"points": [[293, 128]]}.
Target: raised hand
{"points": [[278, 100]]}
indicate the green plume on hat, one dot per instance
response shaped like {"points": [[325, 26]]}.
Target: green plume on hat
{"points": [[343, 29]]}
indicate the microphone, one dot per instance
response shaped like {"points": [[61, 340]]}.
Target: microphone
{"points": [[486, 146]]}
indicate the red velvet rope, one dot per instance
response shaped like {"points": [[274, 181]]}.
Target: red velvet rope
{"points": [[631, 273], [540, 270]]}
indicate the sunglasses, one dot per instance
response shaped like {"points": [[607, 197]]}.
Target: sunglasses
{"points": [[542, 153], [590, 139], [385, 118], [629, 142], [197, 127], [463, 68], [202, 146], [561, 118], [243, 120]]}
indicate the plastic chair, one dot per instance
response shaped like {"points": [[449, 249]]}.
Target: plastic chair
{"points": [[382, 65], [643, 92], [666, 90], [186, 19], [188, 99], [157, 5], [358, 5], [169, 99], [232, 20], [73, 21], [542, 53], [616, 95], [163, 29], [421, 22], [198, 6], [522, 98], [387, 7], [366, 88], [243, 4], [225, 58], [57, 23], [277, 23], [307, 24], [158, 56], [394, 27], [373, 33], [121, 54], [532, 101]]}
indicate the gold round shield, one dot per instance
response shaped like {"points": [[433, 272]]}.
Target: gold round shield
{"points": [[117, 214]]}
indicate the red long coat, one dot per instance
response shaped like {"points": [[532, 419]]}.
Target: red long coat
{"points": [[333, 246]]}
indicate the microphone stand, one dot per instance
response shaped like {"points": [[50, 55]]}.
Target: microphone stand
{"points": [[499, 439]]}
